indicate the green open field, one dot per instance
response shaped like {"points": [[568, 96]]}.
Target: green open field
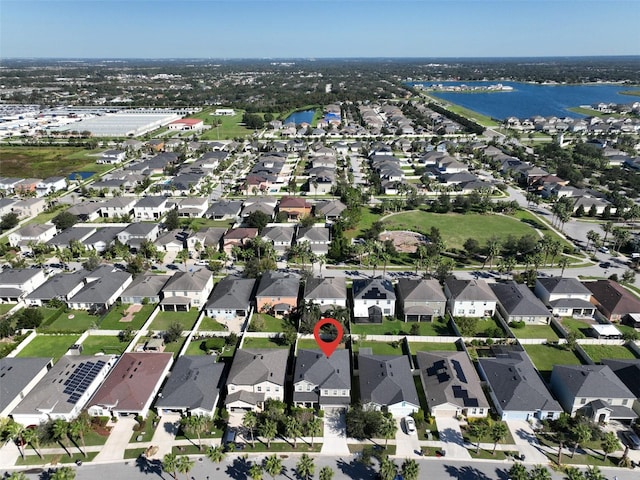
{"points": [[230, 127], [598, 352], [107, 344], [111, 321], [545, 356], [49, 346], [164, 319], [47, 161], [483, 120], [535, 331], [457, 228], [398, 327]]}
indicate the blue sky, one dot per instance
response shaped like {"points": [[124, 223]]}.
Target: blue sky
{"points": [[317, 28]]}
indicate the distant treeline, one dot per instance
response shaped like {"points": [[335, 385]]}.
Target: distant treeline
{"points": [[469, 125]]}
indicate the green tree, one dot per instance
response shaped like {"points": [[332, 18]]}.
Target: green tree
{"points": [[268, 429], [250, 421], [172, 220], [388, 428], [31, 436], [78, 428], [195, 424], [572, 473], [410, 469], [388, 469], [498, 432], [305, 467], [255, 471], [467, 326], [326, 473], [478, 430], [313, 429], [540, 472], [173, 333], [610, 444], [293, 429], [63, 473], [594, 473], [14, 430], [8, 221], [170, 464], [581, 433], [273, 465], [59, 431], [184, 465], [17, 476], [215, 454], [518, 472], [64, 220], [183, 256]]}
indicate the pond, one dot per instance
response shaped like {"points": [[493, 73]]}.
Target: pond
{"points": [[304, 116], [82, 175]]}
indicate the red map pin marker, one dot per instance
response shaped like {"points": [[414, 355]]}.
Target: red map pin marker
{"points": [[328, 347]]}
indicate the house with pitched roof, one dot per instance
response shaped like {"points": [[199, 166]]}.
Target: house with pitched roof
{"points": [[135, 233], [420, 300], [256, 375], [567, 297], [147, 286], [102, 287], [193, 388], [331, 210], [451, 384], [517, 303], [387, 382], [61, 286], [102, 238], [373, 299], [317, 236], [16, 283], [64, 390], [516, 389], [231, 298], [320, 381], [593, 390], [187, 289], [280, 235], [628, 371], [237, 237], [150, 208], [224, 210], [613, 301], [277, 292], [206, 237], [469, 298], [328, 292], [132, 385], [31, 234], [294, 207], [19, 376]]}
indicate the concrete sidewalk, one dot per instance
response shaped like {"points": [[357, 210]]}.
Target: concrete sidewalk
{"points": [[335, 433]]}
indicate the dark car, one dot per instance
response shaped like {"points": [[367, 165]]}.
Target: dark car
{"points": [[605, 265]]}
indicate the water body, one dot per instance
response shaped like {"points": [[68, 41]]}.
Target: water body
{"points": [[82, 175], [527, 99], [304, 116]]}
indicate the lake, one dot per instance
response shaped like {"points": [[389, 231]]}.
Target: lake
{"points": [[304, 116], [82, 175], [528, 99]]}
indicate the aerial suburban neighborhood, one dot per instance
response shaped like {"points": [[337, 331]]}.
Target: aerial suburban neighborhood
{"points": [[158, 299]]}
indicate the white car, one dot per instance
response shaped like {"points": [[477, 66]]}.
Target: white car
{"points": [[604, 249], [410, 425]]}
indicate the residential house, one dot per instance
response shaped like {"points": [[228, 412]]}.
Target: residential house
{"points": [[331, 210], [420, 300], [516, 389], [256, 375], [148, 286], [19, 377], [29, 207], [31, 234], [51, 185], [280, 235], [111, 157], [469, 298], [594, 391], [172, 241], [318, 236], [101, 289], [135, 233], [65, 238], [26, 186], [373, 299], [224, 210], [150, 208], [16, 283], [387, 382], [206, 237], [187, 289], [132, 385], [567, 297], [266, 205], [231, 298], [328, 292], [451, 384], [102, 238], [117, 207], [193, 388], [517, 303], [237, 237], [294, 207], [61, 286], [320, 381], [628, 371], [192, 207], [64, 390], [277, 292], [613, 301]]}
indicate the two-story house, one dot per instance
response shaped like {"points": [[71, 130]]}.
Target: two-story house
{"points": [[320, 381], [567, 297], [469, 298], [150, 208], [187, 289], [373, 299], [277, 292], [328, 293], [420, 300]]}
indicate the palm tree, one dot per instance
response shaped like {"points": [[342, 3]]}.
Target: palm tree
{"points": [[388, 469], [572, 473], [170, 464], [255, 472], [268, 429], [273, 465], [563, 263], [498, 432], [594, 473], [410, 469], [77, 428], [30, 436], [326, 473], [17, 476], [293, 429], [518, 472], [305, 467], [195, 424], [581, 434], [184, 465], [610, 444], [540, 472], [388, 428], [183, 256], [607, 228], [250, 421], [14, 431], [479, 429], [59, 429], [313, 428], [63, 473], [592, 238], [215, 454]]}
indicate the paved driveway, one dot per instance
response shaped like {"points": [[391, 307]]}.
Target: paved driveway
{"points": [[451, 438], [406, 444], [165, 434], [525, 438], [118, 440], [335, 433]]}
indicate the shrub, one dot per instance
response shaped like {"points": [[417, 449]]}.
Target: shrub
{"points": [[519, 324]]}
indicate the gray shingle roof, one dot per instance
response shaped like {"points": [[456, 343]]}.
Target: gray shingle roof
{"points": [[416, 290], [232, 292], [373, 289], [628, 371], [595, 381], [518, 299], [477, 290], [102, 289], [148, 285], [58, 286], [194, 383], [333, 372], [15, 375], [193, 281], [278, 284], [561, 285], [325, 288], [386, 380], [251, 366]]}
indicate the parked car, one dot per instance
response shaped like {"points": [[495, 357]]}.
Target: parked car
{"points": [[631, 440], [605, 265], [603, 249], [410, 425]]}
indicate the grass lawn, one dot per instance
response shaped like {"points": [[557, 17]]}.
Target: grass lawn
{"points": [[216, 342], [262, 322], [535, 331], [198, 223], [5, 307], [545, 356], [477, 117], [251, 342], [134, 452], [358, 447], [101, 343], [432, 347], [147, 430], [230, 127], [310, 344], [49, 346], [111, 321], [574, 325], [55, 458], [598, 352], [175, 347], [507, 440], [457, 228], [398, 327], [381, 348], [577, 459], [488, 455], [485, 327], [368, 216], [210, 325], [47, 161], [72, 321], [164, 319]]}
